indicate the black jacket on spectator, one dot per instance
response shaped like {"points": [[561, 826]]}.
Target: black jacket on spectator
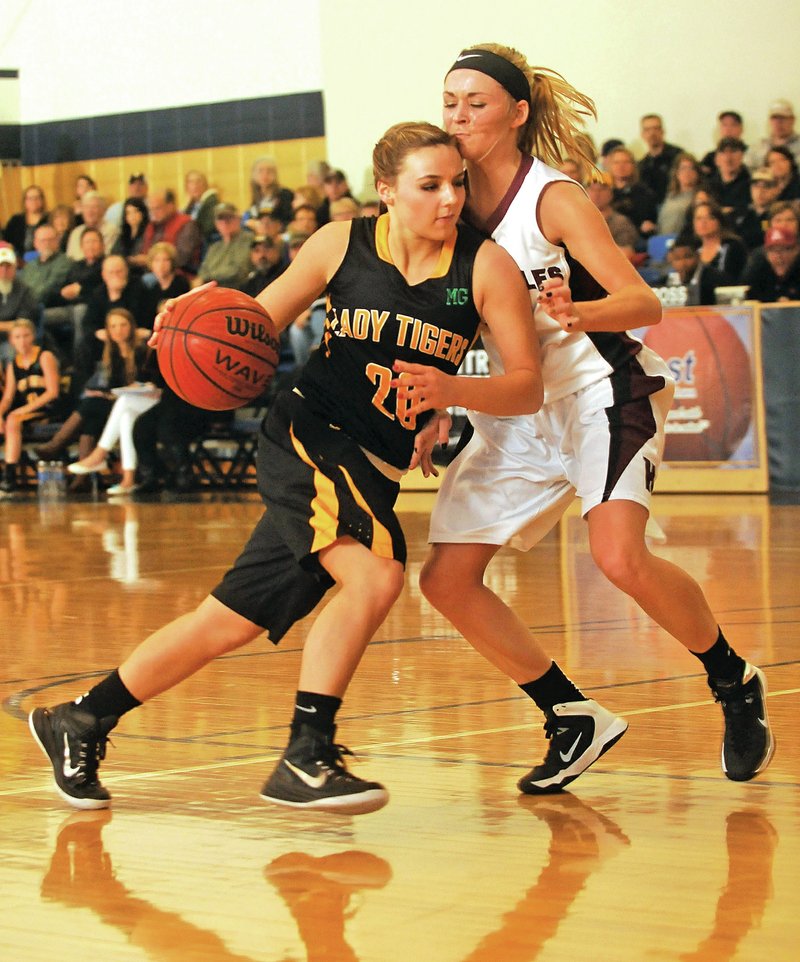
{"points": [[764, 283], [735, 193]]}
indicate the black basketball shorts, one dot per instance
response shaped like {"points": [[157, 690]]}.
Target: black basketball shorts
{"points": [[318, 486]]}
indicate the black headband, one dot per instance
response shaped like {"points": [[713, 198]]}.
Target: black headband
{"points": [[510, 78]]}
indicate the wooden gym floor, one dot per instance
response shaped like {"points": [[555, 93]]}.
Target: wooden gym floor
{"points": [[652, 855]]}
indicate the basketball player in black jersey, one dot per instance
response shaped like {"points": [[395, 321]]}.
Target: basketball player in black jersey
{"points": [[406, 294]]}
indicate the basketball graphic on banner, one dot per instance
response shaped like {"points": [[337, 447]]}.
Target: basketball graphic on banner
{"points": [[713, 397]]}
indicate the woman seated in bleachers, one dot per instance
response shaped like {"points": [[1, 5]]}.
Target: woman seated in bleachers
{"points": [[123, 363], [31, 388], [131, 400], [684, 182], [718, 247]]}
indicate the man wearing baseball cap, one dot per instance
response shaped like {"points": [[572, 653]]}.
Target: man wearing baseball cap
{"points": [[16, 299], [227, 261], [781, 134], [774, 274]]}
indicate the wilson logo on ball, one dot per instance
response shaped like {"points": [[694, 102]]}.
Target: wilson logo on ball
{"points": [[218, 349], [241, 327]]}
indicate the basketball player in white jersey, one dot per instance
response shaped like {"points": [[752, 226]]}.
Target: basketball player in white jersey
{"points": [[599, 435]]}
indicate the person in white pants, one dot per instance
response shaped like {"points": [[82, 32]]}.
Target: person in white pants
{"points": [[132, 402]]}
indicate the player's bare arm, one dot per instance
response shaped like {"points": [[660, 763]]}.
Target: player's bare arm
{"points": [[568, 217]]}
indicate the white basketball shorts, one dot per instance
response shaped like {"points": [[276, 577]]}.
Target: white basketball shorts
{"points": [[516, 476]]}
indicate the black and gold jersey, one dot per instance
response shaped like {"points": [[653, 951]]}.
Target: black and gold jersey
{"points": [[374, 317], [29, 380]]}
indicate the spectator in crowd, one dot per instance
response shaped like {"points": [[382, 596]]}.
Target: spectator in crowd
{"points": [[130, 243], [785, 213], [606, 149], [30, 390], [334, 186], [17, 300], [655, 166], [305, 332], [62, 220], [683, 184], [730, 184], [370, 205], [200, 202], [93, 209], [266, 192], [718, 247], [781, 162], [636, 201], [168, 281], [83, 184], [121, 364], [304, 220], [601, 193], [21, 227], [64, 311], [729, 124], [316, 172], [699, 279], [345, 208], [137, 190], [773, 273], [306, 194], [227, 260], [46, 273], [162, 437], [266, 263], [118, 289], [132, 401], [781, 134], [571, 168], [168, 224], [267, 224], [751, 224]]}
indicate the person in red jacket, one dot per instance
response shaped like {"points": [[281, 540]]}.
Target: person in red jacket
{"points": [[168, 224]]}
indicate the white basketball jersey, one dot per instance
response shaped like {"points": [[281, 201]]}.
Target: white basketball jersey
{"points": [[570, 361]]}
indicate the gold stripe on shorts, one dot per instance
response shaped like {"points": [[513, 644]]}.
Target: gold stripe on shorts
{"points": [[324, 518], [381, 538]]}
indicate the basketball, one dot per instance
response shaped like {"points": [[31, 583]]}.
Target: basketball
{"points": [[713, 396], [218, 349]]}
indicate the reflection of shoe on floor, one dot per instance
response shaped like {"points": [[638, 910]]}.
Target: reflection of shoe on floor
{"points": [[580, 732], [80, 866], [748, 744], [576, 826], [312, 774], [352, 870]]}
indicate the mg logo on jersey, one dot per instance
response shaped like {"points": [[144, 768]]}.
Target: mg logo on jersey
{"points": [[456, 296]]}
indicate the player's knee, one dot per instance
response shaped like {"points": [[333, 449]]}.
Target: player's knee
{"points": [[620, 566], [432, 581], [387, 582]]}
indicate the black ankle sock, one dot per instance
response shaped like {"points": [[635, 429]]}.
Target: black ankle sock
{"points": [[318, 711], [108, 697], [721, 661], [553, 688]]}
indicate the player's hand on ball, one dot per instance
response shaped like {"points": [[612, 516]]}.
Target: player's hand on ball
{"points": [[556, 299], [423, 388], [169, 306], [436, 431]]}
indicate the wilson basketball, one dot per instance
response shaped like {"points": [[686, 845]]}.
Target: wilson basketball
{"points": [[218, 349], [713, 397]]}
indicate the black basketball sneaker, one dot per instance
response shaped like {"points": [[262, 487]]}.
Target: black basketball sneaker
{"points": [[748, 744], [312, 774], [75, 743], [579, 732]]}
